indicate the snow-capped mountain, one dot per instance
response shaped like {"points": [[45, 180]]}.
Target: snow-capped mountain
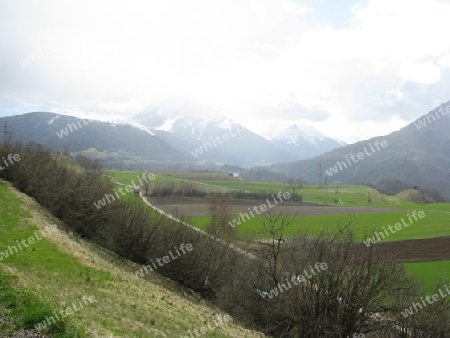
{"points": [[206, 138], [305, 142], [183, 118]]}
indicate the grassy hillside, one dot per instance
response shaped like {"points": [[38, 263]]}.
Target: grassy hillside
{"points": [[57, 271]]}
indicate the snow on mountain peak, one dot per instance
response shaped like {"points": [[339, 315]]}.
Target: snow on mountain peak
{"points": [[139, 126], [296, 131], [226, 124], [168, 124]]}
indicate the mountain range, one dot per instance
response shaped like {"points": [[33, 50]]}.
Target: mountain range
{"points": [[418, 154], [196, 136], [178, 136]]}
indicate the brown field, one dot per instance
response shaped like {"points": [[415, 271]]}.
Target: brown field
{"points": [[418, 250], [194, 207]]}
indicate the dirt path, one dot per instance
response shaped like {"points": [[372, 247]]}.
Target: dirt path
{"points": [[190, 226]]}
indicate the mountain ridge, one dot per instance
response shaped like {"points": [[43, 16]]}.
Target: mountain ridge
{"points": [[417, 155]]}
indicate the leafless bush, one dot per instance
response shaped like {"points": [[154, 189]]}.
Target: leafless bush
{"points": [[425, 195]]}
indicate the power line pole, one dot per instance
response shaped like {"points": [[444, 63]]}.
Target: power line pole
{"points": [[5, 132], [320, 173]]}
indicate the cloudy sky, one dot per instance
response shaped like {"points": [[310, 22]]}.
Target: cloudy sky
{"points": [[352, 69]]}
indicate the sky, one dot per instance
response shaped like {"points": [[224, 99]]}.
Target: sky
{"points": [[351, 69]]}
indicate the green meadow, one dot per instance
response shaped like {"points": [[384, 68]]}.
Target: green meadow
{"points": [[344, 195], [434, 224], [429, 273]]}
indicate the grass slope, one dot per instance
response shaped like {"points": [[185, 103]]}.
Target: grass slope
{"points": [[57, 271]]}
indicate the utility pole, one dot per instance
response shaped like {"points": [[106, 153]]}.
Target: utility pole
{"points": [[320, 173], [5, 132]]}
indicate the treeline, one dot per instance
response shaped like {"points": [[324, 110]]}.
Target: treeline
{"points": [[425, 195], [359, 293], [186, 189], [182, 189]]}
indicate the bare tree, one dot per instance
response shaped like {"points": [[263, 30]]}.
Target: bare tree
{"points": [[219, 228], [360, 291], [274, 223], [220, 211], [295, 184]]}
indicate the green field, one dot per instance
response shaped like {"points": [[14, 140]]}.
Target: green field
{"points": [[434, 224], [429, 273], [344, 195]]}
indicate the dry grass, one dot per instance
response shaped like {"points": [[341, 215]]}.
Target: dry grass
{"points": [[125, 307]]}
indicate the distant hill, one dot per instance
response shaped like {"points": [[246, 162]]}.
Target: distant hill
{"points": [[61, 132], [418, 154]]}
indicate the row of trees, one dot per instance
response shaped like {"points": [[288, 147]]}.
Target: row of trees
{"points": [[185, 189], [360, 292]]}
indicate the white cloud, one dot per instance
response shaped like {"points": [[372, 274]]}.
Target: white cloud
{"points": [[250, 59]]}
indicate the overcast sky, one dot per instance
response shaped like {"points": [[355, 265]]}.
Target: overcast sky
{"points": [[352, 69]]}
